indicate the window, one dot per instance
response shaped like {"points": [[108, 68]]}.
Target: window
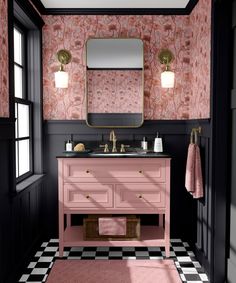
{"points": [[23, 107]]}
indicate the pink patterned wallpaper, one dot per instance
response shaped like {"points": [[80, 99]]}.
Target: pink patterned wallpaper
{"points": [[200, 19], [4, 97], [114, 91], [181, 34]]}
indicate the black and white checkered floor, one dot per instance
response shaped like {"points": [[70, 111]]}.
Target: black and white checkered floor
{"points": [[188, 267]]}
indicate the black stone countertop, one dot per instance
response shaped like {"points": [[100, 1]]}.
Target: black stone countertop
{"points": [[113, 155]]}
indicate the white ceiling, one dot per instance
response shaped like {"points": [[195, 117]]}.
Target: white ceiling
{"points": [[161, 4]]}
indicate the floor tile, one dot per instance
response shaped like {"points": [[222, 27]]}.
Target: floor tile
{"points": [[40, 265]]}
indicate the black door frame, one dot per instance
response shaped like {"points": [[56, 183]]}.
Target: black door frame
{"points": [[220, 109]]}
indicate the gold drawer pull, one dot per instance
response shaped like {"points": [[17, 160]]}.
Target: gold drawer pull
{"points": [[140, 196], [88, 196], [140, 171], [87, 171]]}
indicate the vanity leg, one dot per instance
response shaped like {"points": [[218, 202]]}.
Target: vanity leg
{"points": [[167, 233], [61, 234], [68, 220], [167, 210], [60, 209]]}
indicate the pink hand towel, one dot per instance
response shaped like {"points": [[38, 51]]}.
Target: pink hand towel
{"points": [[193, 176], [190, 168], [112, 226], [198, 184]]}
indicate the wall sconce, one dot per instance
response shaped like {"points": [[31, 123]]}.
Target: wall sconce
{"points": [[167, 77], [62, 77]]}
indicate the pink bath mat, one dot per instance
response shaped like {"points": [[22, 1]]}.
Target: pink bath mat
{"points": [[114, 271]]}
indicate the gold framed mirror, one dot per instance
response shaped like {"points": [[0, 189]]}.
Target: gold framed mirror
{"points": [[114, 82]]}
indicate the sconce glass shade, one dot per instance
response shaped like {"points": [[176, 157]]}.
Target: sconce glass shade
{"points": [[61, 79], [167, 79]]}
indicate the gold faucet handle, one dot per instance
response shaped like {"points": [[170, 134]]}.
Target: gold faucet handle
{"points": [[105, 146], [123, 147]]}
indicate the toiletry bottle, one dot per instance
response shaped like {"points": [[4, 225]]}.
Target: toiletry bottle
{"points": [[158, 147], [69, 145], [144, 144]]}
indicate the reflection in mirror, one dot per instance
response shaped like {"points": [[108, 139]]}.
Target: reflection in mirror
{"points": [[114, 82]]}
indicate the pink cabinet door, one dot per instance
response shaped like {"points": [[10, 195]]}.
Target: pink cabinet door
{"points": [[88, 195], [146, 195]]}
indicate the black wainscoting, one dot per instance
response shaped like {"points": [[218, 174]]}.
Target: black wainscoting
{"points": [[175, 134], [21, 214], [231, 249]]}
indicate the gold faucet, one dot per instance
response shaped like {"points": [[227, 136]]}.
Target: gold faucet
{"points": [[113, 139]]}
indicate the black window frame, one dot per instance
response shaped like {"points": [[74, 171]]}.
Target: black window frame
{"points": [[23, 101], [26, 16]]}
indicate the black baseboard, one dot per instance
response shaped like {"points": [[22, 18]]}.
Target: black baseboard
{"points": [[200, 255]]}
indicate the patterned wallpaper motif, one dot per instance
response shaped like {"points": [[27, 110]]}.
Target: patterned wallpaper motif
{"points": [[200, 19], [178, 33], [4, 97], [114, 91]]}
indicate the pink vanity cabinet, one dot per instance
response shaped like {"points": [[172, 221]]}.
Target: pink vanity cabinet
{"points": [[114, 186]]}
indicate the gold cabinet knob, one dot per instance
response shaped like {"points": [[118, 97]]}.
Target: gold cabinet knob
{"points": [[140, 171], [87, 171], [140, 196], [87, 196]]}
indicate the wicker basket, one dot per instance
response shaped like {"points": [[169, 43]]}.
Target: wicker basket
{"points": [[90, 229]]}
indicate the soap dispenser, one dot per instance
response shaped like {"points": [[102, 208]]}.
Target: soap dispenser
{"points": [[158, 147], [69, 145], [144, 144]]}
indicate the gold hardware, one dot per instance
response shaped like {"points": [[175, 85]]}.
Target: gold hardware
{"points": [[166, 57], [106, 148], [123, 146], [87, 171], [198, 130], [140, 196], [113, 139], [64, 57], [140, 171], [87, 196], [194, 134]]}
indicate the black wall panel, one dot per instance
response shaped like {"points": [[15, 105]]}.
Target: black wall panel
{"points": [[21, 214]]}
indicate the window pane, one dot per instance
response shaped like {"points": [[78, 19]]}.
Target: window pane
{"points": [[18, 81], [23, 120], [17, 159], [17, 47], [16, 123], [24, 160]]}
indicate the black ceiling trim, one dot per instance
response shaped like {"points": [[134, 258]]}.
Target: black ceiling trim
{"points": [[29, 11], [190, 6], [39, 6], [115, 11]]}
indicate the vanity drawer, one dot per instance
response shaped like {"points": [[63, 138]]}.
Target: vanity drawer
{"points": [[117, 169], [144, 195], [88, 195]]}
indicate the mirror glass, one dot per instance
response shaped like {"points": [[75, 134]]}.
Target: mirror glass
{"points": [[114, 82]]}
